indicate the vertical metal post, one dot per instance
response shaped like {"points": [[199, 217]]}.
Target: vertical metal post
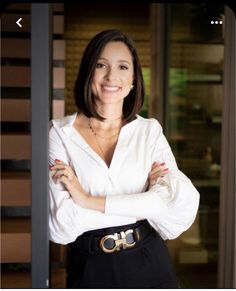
{"points": [[41, 46]]}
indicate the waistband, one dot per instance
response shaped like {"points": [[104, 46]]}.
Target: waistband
{"points": [[111, 239]]}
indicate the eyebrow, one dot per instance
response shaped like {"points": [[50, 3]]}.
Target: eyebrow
{"points": [[120, 61]]}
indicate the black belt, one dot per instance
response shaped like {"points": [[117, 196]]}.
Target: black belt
{"points": [[126, 237]]}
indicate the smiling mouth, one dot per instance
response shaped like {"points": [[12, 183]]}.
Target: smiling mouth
{"points": [[110, 88]]}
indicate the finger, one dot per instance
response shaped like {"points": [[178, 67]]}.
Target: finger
{"points": [[158, 169], [70, 175], [58, 174], [154, 165], [163, 171], [159, 174], [157, 165], [58, 167], [53, 172], [64, 176], [63, 179], [66, 167], [62, 167], [59, 161], [53, 176]]}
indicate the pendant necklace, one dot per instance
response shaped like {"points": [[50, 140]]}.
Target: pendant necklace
{"points": [[97, 135]]}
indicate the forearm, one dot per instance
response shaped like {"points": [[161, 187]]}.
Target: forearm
{"points": [[96, 203], [87, 201], [171, 208], [67, 220]]}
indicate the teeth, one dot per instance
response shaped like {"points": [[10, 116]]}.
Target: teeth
{"points": [[111, 88]]}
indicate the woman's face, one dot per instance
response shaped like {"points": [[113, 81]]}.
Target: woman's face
{"points": [[113, 74]]}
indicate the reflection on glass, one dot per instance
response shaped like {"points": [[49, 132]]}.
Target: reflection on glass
{"points": [[193, 126]]}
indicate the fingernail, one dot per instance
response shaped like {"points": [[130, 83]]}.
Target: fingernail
{"points": [[162, 164]]}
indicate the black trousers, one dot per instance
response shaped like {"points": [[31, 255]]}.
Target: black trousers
{"points": [[146, 265]]}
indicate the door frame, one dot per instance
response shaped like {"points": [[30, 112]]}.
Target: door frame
{"points": [[41, 88]]}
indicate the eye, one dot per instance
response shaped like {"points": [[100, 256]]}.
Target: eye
{"points": [[123, 67], [100, 65]]}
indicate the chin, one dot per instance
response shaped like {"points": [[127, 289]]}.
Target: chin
{"points": [[111, 99]]}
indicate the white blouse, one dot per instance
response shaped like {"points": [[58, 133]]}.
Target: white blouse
{"points": [[170, 205]]}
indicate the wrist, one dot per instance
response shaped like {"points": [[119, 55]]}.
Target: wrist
{"points": [[85, 200], [81, 198], [96, 203]]}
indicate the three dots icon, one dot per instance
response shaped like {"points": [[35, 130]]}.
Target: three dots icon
{"points": [[216, 22]]}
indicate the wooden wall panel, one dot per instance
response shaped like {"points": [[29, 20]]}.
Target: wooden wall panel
{"points": [[58, 24], [16, 110], [16, 146], [59, 50], [16, 115], [15, 189], [23, 46], [16, 248], [14, 76], [58, 108], [58, 78], [9, 46], [15, 240]]}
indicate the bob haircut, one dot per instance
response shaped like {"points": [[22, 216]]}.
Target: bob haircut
{"points": [[84, 98]]}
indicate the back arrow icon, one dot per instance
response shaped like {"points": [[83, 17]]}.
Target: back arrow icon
{"points": [[18, 22]]}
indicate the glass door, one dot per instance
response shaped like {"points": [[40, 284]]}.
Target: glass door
{"points": [[193, 127]]}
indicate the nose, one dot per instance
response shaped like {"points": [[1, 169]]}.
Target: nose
{"points": [[111, 75]]}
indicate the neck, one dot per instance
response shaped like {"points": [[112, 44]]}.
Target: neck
{"points": [[113, 117], [107, 124], [107, 120]]}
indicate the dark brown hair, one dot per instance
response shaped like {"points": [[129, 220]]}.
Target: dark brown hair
{"points": [[84, 98]]}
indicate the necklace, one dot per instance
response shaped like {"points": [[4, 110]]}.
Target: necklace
{"points": [[95, 135]]}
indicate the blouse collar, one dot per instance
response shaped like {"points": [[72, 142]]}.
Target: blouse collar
{"points": [[68, 121]]}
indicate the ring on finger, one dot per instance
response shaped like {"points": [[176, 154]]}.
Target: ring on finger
{"points": [[68, 175]]}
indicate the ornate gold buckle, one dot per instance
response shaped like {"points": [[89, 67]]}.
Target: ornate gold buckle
{"points": [[119, 239]]}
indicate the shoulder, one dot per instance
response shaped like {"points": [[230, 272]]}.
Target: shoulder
{"points": [[149, 125], [64, 121], [58, 126], [152, 129]]}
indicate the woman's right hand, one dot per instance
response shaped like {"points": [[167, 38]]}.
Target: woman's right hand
{"points": [[157, 170]]}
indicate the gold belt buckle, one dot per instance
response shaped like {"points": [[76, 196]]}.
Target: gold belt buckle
{"points": [[119, 239]]}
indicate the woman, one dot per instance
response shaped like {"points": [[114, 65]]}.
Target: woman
{"points": [[115, 190]]}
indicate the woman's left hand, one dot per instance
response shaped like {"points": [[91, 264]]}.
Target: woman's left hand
{"points": [[63, 173], [157, 170]]}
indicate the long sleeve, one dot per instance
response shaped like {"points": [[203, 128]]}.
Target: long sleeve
{"points": [[67, 220], [171, 204]]}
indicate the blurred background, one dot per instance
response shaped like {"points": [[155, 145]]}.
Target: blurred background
{"points": [[181, 48]]}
